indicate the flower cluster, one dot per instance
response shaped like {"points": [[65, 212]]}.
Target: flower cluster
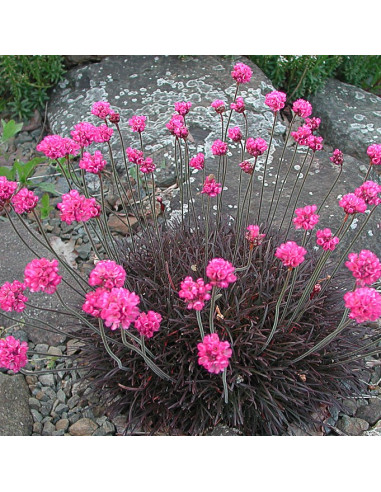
{"points": [[83, 133], [337, 157], [302, 134], [214, 354], [369, 191], [211, 187], [306, 217], [315, 143], [147, 166], [118, 307], [12, 296], [241, 73], [24, 201], [326, 239], [219, 147], [374, 152], [92, 163], [290, 254], [313, 123], [102, 134], [176, 126], [220, 273], [183, 107], [55, 146], [365, 267], [247, 167], [275, 100], [114, 117], [352, 204], [7, 188], [235, 134], [238, 105], [256, 146], [101, 109], [134, 155], [253, 236], [364, 304], [195, 292], [13, 353], [219, 106], [148, 323], [137, 123], [76, 207], [42, 275], [302, 108], [107, 274], [197, 162]]}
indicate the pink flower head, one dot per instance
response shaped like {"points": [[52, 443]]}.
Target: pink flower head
{"points": [[107, 274], [365, 267], [137, 123], [220, 272], [198, 161], [177, 127], [13, 353], [7, 188], [147, 166], [256, 146], [92, 305], [55, 146], [364, 303], [302, 108], [101, 109], [42, 275], [253, 236], [239, 105], [135, 156], [242, 73], [306, 217], [118, 308], [210, 187], [114, 117], [214, 354], [102, 134], [313, 123], [92, 163], [219, 147], [352, 204], [24, 201], [290, 254], [84, 133], [76, 207], [12, 296], [247, 167], [148, 323], [337, 157], [315, 143], [275, 100], [195, 292], [183, 107], [369, 191], [374, 152], [302, 134], [235, 134], [326, 239], [219, 106]]}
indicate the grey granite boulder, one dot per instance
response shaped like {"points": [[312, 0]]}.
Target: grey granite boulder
{"points": [[15, 416]]}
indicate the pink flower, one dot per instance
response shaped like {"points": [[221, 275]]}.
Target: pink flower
{"points": [[42, 275], [337, 157], [313, 123], [7, 188], [326, 239], [12, 296], [315, 291], [256, 146], [220, 272], [302, 134], [13, 353], [55, 146], [107, 274], [364, 303], [147, 166], [290, 254], [275, 100], [306, 217], [84, 133], [315, 143], [235, 134], [137, 123], [24, 201], [239, 105], [114, 117], [368, 191], [219, 106], [210, 187], [241, 73], [195, 292], [247, 167], [198, 161], [135, 156], [183, 107], [253, 236], [365, 267], [101, 109], [352, 204], [91, 305], [302, 108], [92, 163], [76, 207], [118, 308], [214, 354], [177, 127], [148, 323], [102, 134], [219, 147], [374, 152]]}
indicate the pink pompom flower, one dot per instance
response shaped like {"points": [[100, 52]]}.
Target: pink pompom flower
{"points": [[220, 273], [148, 323], [107, 274], [275, 100], [313, 123], [92, 305], [76, 207], [118, 308], [147, 166], [24, 201], [242, 73], [369, 191], [55, 146], [219, 147], [42, 275], [337, 157], [247, 167], [256, 146], [7, 188], [364, 304], [219, 106], [195, 292], [93, 163], [177, 126], [326, 239], [374, 152], [134, 155], [238, 106], [302, 108], [137, 123], [235, 134], [306, 218], [183, 107], [12, 296], [290, 254], [253, 236], [101, 109], [315, 143], [84, 133], [102, 134], [302, 134], [211, 187], [13, 353], [352, 204], [365, 267], [114, 117], [197, 162], [214, 354]]}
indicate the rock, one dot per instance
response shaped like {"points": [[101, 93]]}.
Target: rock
{"points": [[62, 424], [371, 413], [55, 352], [374, 431], [349, 407], [83, 427], [47, 379], [48, 429], [222, 430], [37, 428], [108, 427], [15, 416], [120, 422], [352, 426], [34, 403]]}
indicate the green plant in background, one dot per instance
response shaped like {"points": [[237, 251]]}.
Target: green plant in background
{"points": [[25, 80], [363, 71]]}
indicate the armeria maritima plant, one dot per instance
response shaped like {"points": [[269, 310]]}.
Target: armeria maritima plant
{"points": [[202, 321]]}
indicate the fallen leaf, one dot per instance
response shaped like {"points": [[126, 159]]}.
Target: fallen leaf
{"points": [[65, 250]]}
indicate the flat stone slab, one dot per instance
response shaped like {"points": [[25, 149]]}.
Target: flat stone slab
{"points": [[15, 416]]}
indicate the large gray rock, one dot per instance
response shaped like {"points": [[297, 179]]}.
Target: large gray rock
{"points": [[15, 416]]}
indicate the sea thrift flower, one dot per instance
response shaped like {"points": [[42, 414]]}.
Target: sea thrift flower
{"points": [[241, 73], [84, 134], [135, 156], [147, 166], [301, 135], [364, 303], [369, 191], [214, 354], [12, 296], [118, 308], [114, 117], [42, 275], [313, 123], [55, 146], [219, 106], [374, 152], [275, 100], [107, 274], [290, 254], [92, 163], [302, 108], [137, 123], [220, 272], [256, 146], [183, 107], [253, 236], [24, 201], [13, 353], [365, 267], [326, 239], [198, 161], [148, 323], [7, 188], [306, 217], [91, 305], [102, 134], [76, 207], [195, 292], [219, 147], [352, 204], [247, 167], [235, 134], [210, 187], [177, 127], [337, 157], [238, 105], [101, 109], [315, 143]]}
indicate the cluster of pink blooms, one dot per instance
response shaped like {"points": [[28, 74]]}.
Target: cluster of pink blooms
{"points": [[76, 207], [302, 134], [302, 108], [42, 275], [238, 105], [137, 123], [306, 217], [275, 100], [211, 187], [214, 354], [93, 163], [253, 236], [374, 152], [364, 304], [369, 191], [337, 157], [183, 107], [220, 273], [219, 147], [118, 307], [83, 134], [198, 161], [102, 134], [326, 239], [247, 167], [256, 146], [13, 353], [313, 123], [290, 254], [101, 109], [134, 155], [219, 106], [177, 126], [195, 292], [147, 166], [365, 267], [55, 146], [12, 296], [148, 323], [114, 117], [352, 204], [235, 134], [7, 188], [241, 73], [315, 143], [24, 201], [107, 274]]}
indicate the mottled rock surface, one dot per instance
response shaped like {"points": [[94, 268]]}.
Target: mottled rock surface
{"points": [[15, 415]]}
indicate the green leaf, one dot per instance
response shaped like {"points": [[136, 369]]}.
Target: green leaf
{"points": [[48, 187], [45, 206], [10, 129], [25, 169], [8, 172]]}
